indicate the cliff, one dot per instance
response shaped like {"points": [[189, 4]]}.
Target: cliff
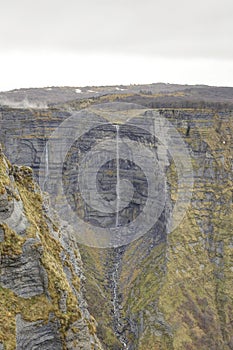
{"points": [[175, 289], [41, 277], [165, 290]]}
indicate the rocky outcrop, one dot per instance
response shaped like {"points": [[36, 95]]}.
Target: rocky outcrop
{"points": [[41, 279], [37, 335], [24, 274], [1, 235]]}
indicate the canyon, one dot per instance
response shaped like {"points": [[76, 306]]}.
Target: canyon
{"points": [[163, 289]]}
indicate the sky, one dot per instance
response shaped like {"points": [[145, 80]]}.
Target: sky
{"points": [[106, 42]]}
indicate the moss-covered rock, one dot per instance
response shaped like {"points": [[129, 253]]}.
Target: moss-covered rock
{"points": [[40, 288]]}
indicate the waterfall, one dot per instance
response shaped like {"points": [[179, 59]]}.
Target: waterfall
{"points": [[116, 302], [46, 173], [118, 176]]}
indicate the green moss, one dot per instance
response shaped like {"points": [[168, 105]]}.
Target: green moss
{"points": [[151, 341], [32, 309], [12, 244], [51, 260], [108, 337], [172, 180], [98, 294], [145, 282], [4, 178]]}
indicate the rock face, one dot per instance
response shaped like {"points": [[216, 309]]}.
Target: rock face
{"points": [[24, 274], [42, 304], [168, 291], [1, 235], [33, 335]]}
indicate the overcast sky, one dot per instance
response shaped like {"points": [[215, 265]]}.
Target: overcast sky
{"points": [[100, 42]]}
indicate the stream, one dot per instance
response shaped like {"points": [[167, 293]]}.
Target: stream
{"points": [[117, 257]]}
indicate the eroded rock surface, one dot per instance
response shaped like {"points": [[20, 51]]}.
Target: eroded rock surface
{"points": [[24, 274], [37, 335], [42, 304]]}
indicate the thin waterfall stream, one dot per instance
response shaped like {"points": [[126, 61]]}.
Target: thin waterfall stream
{"points": [[46, 173]]}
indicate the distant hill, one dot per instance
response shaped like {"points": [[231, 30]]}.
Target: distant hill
{"points": [[152, 95]]}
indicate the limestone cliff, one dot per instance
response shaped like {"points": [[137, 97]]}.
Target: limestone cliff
{"points": [[41, 275], [175, 290], [164, 291]]}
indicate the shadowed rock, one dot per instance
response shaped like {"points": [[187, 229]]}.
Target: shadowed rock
{"points": [[1, 234], [24, 273], [37, 335]]}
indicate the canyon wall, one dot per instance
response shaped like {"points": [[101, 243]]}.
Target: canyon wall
{"points": [[41, 277], [164, 290]]}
